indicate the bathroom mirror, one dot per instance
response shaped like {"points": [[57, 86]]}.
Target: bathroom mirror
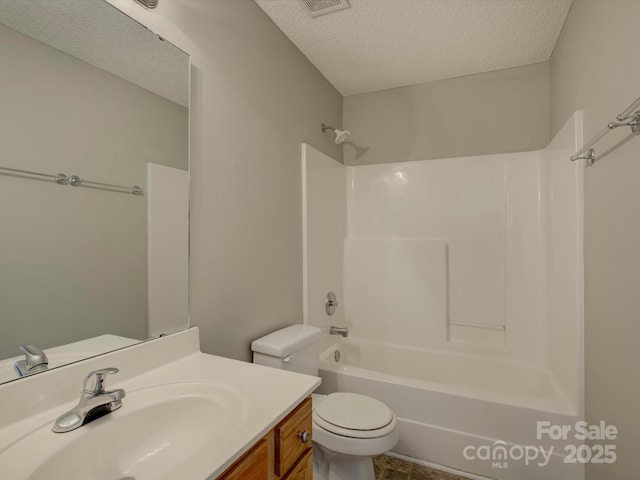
{"points": [[93, 104]]}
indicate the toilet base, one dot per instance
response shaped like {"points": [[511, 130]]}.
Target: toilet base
{"points": [[329, 465]]}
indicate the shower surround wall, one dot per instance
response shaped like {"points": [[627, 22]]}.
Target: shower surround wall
{"points": [[460, 259], [437, 252]]}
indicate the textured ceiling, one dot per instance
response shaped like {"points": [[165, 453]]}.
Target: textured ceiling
{"points": [[99, 34], [379, 44]]}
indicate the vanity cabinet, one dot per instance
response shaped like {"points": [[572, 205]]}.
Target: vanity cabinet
{"points": [[303, 469], [283, 454], [252, 465]]}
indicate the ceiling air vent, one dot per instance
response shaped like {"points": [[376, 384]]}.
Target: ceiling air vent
{"points": [[322, 7]]}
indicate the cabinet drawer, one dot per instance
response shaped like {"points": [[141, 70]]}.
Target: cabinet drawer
{"points": [[289, 437], [304, 469], [254, 465]]}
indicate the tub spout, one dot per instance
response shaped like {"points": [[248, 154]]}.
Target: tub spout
{"points": [[344, 331]]}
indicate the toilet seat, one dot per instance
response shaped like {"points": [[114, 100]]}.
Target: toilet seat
{"points": [[355, 416]]}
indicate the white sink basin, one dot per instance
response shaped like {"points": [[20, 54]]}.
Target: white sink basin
{"points": [[155, 434]]}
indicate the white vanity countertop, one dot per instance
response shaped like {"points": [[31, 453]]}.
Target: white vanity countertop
{"points": [[261, 397]]}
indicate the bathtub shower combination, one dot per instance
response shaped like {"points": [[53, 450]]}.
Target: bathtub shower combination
{"points": [[461, 281]]}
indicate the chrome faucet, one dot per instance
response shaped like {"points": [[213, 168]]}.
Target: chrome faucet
{"points": [[94, 402], [35, 360], [344, 331]]}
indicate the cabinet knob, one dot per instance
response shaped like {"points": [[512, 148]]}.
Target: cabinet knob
{"points": [[303, 436]]}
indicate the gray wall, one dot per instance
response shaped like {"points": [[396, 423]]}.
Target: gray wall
{"points": [[494, 112], [595, 67], [255, 98], [73, 261]]}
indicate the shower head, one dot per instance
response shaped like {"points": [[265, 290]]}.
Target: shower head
{"points": [[341, 135]]}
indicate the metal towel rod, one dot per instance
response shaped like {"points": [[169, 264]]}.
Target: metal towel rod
{"points": [[75, 181], [629, 118]]}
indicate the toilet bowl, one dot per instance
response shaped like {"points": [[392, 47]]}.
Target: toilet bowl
{"points": [[348, 428]]}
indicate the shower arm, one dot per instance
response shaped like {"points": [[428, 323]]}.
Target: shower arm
{"points": [[341, 135]]}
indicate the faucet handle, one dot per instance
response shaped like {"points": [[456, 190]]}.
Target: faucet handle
{"points": [[33, 356], [94, 382], [330, 303]]}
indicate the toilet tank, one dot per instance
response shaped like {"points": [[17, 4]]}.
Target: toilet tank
{"points": [[295, 348]]}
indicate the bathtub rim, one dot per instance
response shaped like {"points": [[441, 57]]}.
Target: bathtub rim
{"points": [[559, 404]]}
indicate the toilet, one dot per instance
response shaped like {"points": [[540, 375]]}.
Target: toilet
{"points": [[348, 428]]}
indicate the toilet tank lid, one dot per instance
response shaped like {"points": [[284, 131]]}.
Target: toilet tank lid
{"points": [[286, 341]]}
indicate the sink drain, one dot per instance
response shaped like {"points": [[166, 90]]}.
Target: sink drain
{"points": [[336, 355]]}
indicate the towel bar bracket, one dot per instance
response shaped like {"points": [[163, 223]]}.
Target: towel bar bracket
{"points": [[629, 118]]}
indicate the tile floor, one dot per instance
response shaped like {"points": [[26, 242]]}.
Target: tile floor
{"points": [[390, 468]]}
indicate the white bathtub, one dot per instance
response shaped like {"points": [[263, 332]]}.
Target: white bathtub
{"points": [[446, 401]]}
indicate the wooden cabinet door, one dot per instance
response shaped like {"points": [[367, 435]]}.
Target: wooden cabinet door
{"points": [[254, 465], [304, 469], [293, 437]]}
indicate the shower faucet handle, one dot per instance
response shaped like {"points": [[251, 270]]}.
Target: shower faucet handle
{"points": [[330, 303]]}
